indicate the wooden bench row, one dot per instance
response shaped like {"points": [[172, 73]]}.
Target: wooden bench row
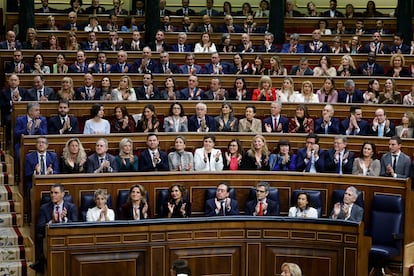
{"points": [[196, 183]]}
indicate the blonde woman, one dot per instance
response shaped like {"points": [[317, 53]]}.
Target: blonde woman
{"points": [[276, 67], [306, 95], [265, 91], [257, 157], [390, 95], [66, 91], [287, 92], [124, 91], [31, 42], [405, 130], [72, 41], [397, 69], [73, 157], [100, 212], [126, 160], [347, 67], [290, 269]]}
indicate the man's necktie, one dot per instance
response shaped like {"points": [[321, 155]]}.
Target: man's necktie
{"points": [[57, 213], [260, 213], [39, 94], [340, 163], [165, 68], [42, 164], [181, 48], [274, 124], [223, 208], [394, 162], [101, 160], [33, 128]]}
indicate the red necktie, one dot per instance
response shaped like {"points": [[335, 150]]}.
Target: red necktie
{"points": [[275, 124], [260, 213]]}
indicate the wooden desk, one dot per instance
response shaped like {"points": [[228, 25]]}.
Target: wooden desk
{"points": [[217, 246]]}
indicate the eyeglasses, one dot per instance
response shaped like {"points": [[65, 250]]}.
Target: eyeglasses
{"points": [[260, 191]]}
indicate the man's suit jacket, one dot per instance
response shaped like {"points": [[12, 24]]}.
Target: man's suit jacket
{"points": [[209, 95], [214, 12], [184, 94], [363, 127], [17, 45], [302, 166], [20, 127], [256, 125], [357, 96], [5, 103], [145, 162], [321, 49], [150, 66], [263, 49], [203, 29], [382, 49], [87, 47], [210, 208], [55, 125], [153, 46], [296, 68], [333, 128], [82, 89], [92, 164], [193, 124], [46, 213], [357, 213], [102, 68], [405, 49], [175, 48], [209, 68], [402, 168], [272, 208], [68, 26], [180, 12], [224, 29], [51, 10], [389, 133], [10, 66], [332, 167], [117, 68], [31, 162], [74, 69], [32, 95], [377, 69], [183, 69], [107, 46], [328, 13], [172, 66], [282, 120], [141, 95]]}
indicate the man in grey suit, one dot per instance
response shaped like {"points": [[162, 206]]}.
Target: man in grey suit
{"points": [[348, 210], [395, 163], [40, 92], [101, 161]]}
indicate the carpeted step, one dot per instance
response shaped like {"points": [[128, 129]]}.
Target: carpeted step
{"points": [[10, 236], [15, 268], [11, 219], [10, 206], [6, 193], [15, 253]]}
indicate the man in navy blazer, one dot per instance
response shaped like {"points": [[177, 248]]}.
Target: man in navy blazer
{"points": [[11, 43], [145, 64], [29, 124], [381, 126], [185, 10], [101, 161], [57, 210], [17, 65], [39, 92], [192, 91], [88, 92], [262, 206], [92, 44], [327, 124], [122, 66], [63, 123], [181, 45], [395, 163], [209, 9], [190, 67], [332, 12], [293, 46], [152, 158], [201, 122], [350, 94], [165, 66], [354, 124], [80, 65], [339, 159], [228, 26], [316, 45], [311, 157], [222, 204], [148, 91], [371, 67], [348, 210], [33, 162], [268, 46], [276, 122], [399, 47], [216, 66]]}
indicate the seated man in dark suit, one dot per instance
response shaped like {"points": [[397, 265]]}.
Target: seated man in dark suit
{"points": [[339, 159], [122, 66], [101, 161], [10, 43], [327, 124], [209, 9], [45, 8], [201, 122], [354, 124], [350, 94], [152, 158], [163, 10], [185, 10], [206, 27], [395, 163], [216, 92], [246, 45], [192, 91], [148, 91], [375, 45], [399, 47], [137, 44], [276, 122], [145, 64], [29, 124], [267, 46], [316, 45], [40, 162], [371, 67], [216, 67], [92, 44], [181, 45], [63, 123], [113, 43], [95, 8], [18, 65], [80, 65], [101, 65], [311, 157], [228, 27], [302, 69], [222, 204], [262, 206], [40, 92], [381, 126], [165, 66], [55, 211], [332, 12], [88, 92], [190, 67], [293, 45], [159, 44], [348, 210], [72, 23]]}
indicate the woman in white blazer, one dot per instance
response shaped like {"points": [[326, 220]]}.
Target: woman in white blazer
{"points": [[208, 158]]}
